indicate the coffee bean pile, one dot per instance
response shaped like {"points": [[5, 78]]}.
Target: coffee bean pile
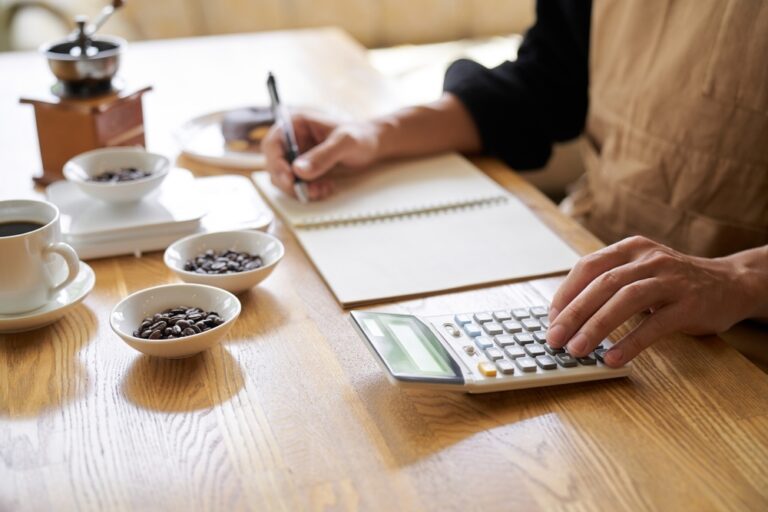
{"points": [[177, 323], [122, 174], [225, 262]]}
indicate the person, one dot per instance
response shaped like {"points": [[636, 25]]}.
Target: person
{"points": [[671, 98]]}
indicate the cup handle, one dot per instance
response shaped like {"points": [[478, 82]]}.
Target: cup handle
{"points": [[71, 259]]}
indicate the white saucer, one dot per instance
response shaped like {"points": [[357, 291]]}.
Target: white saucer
{"points": [[65, 300]]}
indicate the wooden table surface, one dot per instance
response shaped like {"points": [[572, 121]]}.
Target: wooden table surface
{"points": [[291, 412]]}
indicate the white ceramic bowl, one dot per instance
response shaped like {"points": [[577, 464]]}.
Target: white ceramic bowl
{"points": [[128, 314], [92, 163], [261, 244]]}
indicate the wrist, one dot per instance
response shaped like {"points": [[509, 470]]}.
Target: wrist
{"points": [[749, 270]]}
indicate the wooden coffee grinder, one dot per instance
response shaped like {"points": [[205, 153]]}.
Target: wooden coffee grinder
{"points": [[87, 108]]}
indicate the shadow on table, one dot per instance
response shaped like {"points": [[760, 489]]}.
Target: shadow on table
{"points": [[261, 313], [41, 369], [416, 424], [176, 385]]}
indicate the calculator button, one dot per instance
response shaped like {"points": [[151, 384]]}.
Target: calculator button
{"points": [[526, 364], [493, 328], [500, 316], [565, 360], [462, 319], [540, 336], [504, 339], [546, 362], [494, 354], [482, 317], [552, 350], [514, 352], [545, 322], [539, 311], [505, 367], [531, 324], [511, 326], [472, 330], [534, 349], [523, 338], [588, 360], [483, 342], [520, 313], [452, 330], [486, 369], [469, 349], [600, 354]]}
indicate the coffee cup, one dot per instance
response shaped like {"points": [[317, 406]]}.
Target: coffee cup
{"points": [[32, 255]]}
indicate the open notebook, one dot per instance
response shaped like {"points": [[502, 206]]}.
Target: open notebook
{"points": [[416, 227]]}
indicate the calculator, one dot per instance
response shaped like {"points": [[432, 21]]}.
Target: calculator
{"points": [[476, 352]]}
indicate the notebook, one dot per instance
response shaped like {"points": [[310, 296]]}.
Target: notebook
{"points": [[416, 227]]}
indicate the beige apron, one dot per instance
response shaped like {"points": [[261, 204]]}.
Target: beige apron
{"points": [[677, 131]]}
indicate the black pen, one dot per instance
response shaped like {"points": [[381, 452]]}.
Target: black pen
{"points": [[280, 113]]}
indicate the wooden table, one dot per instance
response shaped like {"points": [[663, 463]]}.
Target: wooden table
{"points": [[292, 412]]}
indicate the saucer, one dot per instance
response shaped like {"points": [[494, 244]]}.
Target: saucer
{"points": [[65, 300]]}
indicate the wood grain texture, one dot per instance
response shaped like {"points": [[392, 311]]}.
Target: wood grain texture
{"points": [[292, 413]]}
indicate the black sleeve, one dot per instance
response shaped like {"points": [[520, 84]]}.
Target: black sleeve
{"points": [[522, 107]]}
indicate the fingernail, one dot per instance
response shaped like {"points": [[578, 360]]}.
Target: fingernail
{"points": [[614, 357], [553, 312], [302, 164], [556, 336], [578, 344]]}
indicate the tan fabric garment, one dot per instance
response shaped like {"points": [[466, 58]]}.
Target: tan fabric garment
{"points": [[677, 132]]}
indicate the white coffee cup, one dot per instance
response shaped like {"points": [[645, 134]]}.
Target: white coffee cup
{"points": [[31, 260]]}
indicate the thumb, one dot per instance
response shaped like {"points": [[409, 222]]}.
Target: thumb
{"points": [[320, 159]]}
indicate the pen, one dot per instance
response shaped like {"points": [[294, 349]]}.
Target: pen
{"points": [[281, 115]]}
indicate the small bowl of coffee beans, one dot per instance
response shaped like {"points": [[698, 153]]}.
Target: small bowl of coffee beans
{"points": [[233, 260], [117, 175], [176, 320]]}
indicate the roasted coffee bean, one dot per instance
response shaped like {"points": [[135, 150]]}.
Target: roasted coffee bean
{"points": [[177, 322], [156, 334], [118, 175], [182, 324], [159, 326], [175, 330], [225, 262]]}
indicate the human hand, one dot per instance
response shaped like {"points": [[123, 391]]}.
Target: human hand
{"points": [[680, 293], [323, 145]]}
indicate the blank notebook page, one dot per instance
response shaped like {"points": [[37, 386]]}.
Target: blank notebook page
{"points": [[390, 189]]}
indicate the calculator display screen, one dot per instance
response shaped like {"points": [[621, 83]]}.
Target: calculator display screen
{"points": [[407, 347]]}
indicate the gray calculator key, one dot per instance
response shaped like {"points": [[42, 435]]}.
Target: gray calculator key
{"points": [[539, 311], [565, 360], [511, 326], [600, 354], [520, 313], [540, 336], [531, 324], [462, 320], [545, 322], [472, 330], [505, 366], [552, 350], [500, 316], [483, 342], [504, 340], [588, 360], [482, 317], [523, 338], [494, 354], [493, 328], [526, 364], [515, 351], [534, 349], [546, 362]]}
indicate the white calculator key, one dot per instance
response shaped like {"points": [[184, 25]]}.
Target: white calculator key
{"points": [[483, 342], [504, 340], [482, 317], [539, 311], [520, 313], [531, 324], [502, 315], [505, 367], [492, 328], [511, 326], [494, 354]]}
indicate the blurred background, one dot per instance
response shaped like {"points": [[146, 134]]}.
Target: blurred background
{"points": [[410, 41]]}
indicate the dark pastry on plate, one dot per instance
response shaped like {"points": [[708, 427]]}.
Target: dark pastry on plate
{"points": [[244, 128]]}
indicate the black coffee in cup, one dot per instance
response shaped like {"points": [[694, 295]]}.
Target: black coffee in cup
{"points": [[18, 227]]}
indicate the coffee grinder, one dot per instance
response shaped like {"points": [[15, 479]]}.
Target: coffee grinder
{"points": [[88, 107]]}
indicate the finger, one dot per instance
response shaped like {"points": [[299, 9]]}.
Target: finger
{"points": [[319, 189], [321, 158], [282, 177], [592, 298], [661, 323], [628, 301]]}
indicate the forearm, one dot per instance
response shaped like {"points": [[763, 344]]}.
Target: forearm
{"points": [[751, 270], [444, 125]]}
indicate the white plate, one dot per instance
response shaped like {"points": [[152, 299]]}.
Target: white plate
{"points": [[200, 138], [176, 206], [65, 300]]}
